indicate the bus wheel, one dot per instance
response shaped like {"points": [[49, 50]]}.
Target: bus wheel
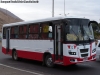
{"points": [[14, 55], [49, 61]]}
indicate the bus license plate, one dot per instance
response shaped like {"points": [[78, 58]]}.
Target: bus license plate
{"points": [[85, 58]]}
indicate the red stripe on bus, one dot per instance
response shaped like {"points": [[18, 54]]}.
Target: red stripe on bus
{"points": [[39, 56]]}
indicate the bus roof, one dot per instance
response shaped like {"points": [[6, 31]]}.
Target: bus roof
{"points": [[35, 21]]}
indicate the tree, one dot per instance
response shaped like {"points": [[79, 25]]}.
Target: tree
{"points": [[96, 31]]}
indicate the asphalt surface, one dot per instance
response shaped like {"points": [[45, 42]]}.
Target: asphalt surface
{"points": [[36, 68], [5, 70]]}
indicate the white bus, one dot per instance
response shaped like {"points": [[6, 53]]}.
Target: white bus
{"points": [[58, 40]]}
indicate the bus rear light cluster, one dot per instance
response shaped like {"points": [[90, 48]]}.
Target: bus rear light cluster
{"points": [[72, 53]]}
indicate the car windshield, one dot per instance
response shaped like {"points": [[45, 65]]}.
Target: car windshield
{"points": [[78, 30]]}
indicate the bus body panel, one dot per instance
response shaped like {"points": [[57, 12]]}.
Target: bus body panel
{"points": [[78, 57], [31, 49], [34, 49]]}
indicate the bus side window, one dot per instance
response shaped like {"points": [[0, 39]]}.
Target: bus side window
{"points": [[36, 28], [50, 35], [23, 32], [4, 33], [20, 32], [30, 30], [14, 32], [33, 31], [25, 36], [50, 32], [45, 30]]}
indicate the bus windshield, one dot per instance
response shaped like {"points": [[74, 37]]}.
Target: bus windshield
{"points": [[78, 30]]}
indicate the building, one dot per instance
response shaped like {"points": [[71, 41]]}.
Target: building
{"points": [[7, 17]]}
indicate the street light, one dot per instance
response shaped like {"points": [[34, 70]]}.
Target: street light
{"points": [[52, 8], [99, 20], [64, 8]]}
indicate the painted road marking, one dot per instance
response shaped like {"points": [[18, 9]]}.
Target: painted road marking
{"points": [[21, 69]]}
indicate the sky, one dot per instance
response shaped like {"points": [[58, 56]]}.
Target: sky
{"points": [[73, 8]]}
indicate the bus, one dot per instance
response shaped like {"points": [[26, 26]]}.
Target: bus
{"points": [[57, 40]]}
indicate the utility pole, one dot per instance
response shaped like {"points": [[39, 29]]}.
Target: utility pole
{"points": [[52, 8], [64, 8], [7, 15]]}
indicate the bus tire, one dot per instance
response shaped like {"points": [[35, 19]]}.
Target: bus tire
{"points": [[14, 55], [49, 61]]}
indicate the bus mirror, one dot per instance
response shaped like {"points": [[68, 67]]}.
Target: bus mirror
{"points": [[96, 29], [93, 22], [95, 26]]}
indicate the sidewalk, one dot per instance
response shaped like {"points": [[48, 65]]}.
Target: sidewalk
{"points": [[10, 71]]}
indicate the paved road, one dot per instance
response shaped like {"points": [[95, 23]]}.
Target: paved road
{"points": [[87, 68], [7, 70]]}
